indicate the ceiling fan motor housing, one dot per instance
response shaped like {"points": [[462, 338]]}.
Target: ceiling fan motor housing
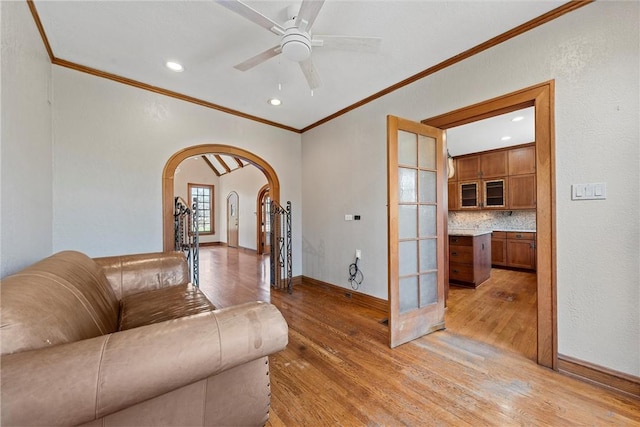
{"points": [[295, 44]]}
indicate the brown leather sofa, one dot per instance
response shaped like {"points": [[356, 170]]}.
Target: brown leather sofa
{"points": [[128, 341]]}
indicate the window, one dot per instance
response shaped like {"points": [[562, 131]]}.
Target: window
{"points": [[204, 195]]}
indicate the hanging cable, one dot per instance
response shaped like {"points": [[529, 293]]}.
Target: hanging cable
{"points": [[355, 275]]}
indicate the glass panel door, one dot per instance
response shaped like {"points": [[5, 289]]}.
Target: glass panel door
{"points": [[416, 161]]}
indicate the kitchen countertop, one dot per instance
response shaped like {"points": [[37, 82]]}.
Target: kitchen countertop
{"points": [[514, 230], [468, 232]]}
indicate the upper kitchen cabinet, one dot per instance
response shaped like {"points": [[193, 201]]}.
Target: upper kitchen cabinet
{"points": [[522, 160], [522, 177], [467, 168], [496, 179], [494, 164]]}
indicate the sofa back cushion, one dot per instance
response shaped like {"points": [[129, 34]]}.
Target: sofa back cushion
{"points": [[61, 299]]}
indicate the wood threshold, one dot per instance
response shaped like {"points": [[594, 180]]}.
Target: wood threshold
{"points": [[599, 375], [529, 25], [349, 294]]}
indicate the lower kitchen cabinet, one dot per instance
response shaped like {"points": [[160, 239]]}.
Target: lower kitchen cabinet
{"points": [[469, 259], [513, 249], [499, 248]]}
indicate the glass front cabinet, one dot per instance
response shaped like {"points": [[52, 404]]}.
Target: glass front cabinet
{"points": [[482, 194]]}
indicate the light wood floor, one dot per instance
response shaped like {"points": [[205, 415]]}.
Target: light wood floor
{"points": [[501, 311], [338, 369]]}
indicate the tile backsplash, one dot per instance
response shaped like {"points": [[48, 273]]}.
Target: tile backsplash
{"points": [[493, 220]]}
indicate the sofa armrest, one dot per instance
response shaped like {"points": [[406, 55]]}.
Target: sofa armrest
{"points": [[78, 382], [130, 274]]}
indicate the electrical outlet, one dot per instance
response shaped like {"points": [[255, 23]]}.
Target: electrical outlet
{"points": [[358, 254]]}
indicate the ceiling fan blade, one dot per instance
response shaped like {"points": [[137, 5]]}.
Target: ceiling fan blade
{"points": [[308, 12], [259, 58], [360, 44], [310, 73], [252, 15]]}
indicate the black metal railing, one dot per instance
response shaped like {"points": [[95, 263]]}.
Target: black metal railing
{"points": [[281, 266], [187, 235]]}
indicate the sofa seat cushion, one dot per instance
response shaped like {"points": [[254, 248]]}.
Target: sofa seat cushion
{"points": [[158, 305]]}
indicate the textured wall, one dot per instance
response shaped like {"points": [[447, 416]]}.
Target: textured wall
{"points": [[593, 56], [111, 144], [26, 204]]}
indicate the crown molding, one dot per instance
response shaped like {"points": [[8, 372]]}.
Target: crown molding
{"points": [[529, 25]]}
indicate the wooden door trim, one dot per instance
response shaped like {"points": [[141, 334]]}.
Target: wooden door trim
{"points": [[259, 217], [540, 96], [170, 169]]}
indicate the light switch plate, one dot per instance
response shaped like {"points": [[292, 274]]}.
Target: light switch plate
{"points": [[591, 191]]}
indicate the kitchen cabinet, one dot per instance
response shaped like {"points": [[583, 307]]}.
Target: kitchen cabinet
{"points": [[521, 250], [497, 179], [499, 248], [467, 168], [482, 194], [513, 249], [469, 257], [494, 164], [522, 191], [522, 160], [452, 195]]}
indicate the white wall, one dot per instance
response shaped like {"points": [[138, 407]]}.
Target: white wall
{"points": [[197, 171], [111, 143], [246, 182], [26, 204], [593, 55]]}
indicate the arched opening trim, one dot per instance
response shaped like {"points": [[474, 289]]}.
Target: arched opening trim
{"points": [[170, 170]]}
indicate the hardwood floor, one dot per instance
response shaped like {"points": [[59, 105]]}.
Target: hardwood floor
{"points": [[338, 369], [500, 312]]}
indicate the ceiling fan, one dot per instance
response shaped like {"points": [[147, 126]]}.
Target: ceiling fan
{"points": [[296, 41]]}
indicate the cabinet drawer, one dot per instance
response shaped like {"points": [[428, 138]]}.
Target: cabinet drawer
{"points": [[461, 254], [460, 240], [521, 236], [499, 235], [461, 272]]}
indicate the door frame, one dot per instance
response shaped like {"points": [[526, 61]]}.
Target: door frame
{"points": [[169, 171], [231, 193], [541, 97], [264, 190]]}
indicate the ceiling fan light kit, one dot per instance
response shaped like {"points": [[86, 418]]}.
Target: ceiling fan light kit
{"points": [[295, 40], [296, 45]]}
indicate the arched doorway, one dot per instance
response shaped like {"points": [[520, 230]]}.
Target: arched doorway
{"points": [[170, 169]]}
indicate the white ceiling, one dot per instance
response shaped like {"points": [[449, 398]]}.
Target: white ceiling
{"points": [[488, 134], [134, 39]]}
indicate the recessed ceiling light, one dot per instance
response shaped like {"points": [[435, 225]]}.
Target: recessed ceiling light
{"points": [[174, 66], [517, 118], [274, 101], [505, 138]]}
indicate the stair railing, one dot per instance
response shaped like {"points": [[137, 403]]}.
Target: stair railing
{"points": [[187, 235], [281, 265]]}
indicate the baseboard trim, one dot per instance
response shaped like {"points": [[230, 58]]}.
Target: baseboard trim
{"points": [[204, 244], [349, 294], [625, 383]]}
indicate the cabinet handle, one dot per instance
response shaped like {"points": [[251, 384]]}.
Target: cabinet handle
{"points": [[454, 240], [483, 246], [518, 236], [456, 271], [454, 253]]}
